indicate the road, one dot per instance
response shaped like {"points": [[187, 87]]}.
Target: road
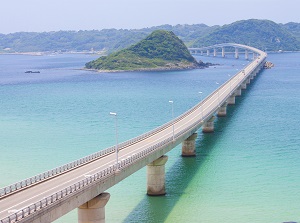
{"points": [[22, 199]]}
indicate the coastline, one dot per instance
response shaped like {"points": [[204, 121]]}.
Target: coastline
{"points": [[50, 53], [151, 69]]}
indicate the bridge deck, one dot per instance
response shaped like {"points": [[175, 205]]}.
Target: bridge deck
{"points": [[16, 202]]}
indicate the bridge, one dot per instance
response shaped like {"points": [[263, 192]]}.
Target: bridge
{"points": [[220, 48], [82, 184]]}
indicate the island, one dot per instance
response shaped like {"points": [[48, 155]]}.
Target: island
{"points": [[161, 50]]}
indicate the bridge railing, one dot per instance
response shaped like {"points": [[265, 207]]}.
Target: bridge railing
{"points": [[89, 181], [75, 164], [77, 187], [54, 172], [230, 45]]}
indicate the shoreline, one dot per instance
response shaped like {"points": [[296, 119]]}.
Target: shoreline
{"points": [[149, 69], [49, 53]]}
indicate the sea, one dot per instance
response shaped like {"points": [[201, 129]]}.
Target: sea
{"points": [[247, 171]]}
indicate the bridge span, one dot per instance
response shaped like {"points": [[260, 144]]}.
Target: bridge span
{"points": [[81, 184], [221, 48]]}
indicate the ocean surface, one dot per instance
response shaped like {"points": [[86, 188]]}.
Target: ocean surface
{"points": [[247, 171]]}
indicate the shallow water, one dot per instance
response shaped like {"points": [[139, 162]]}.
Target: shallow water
{"points": [[247, 171]]}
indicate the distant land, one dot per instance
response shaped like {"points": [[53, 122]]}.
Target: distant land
{"points": [[161, 50], [263, 34]]}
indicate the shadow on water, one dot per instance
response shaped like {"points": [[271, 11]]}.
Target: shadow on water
{"points": [[157, 209]]}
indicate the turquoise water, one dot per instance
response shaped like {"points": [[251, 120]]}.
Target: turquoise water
{"points": [[247, 171]]}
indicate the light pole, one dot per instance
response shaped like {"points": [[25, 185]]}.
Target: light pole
{"points": [[217, 83], [201, 110], [116, 126], [172, 119]]}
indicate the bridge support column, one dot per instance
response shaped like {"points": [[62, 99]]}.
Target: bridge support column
{"points": [[93, 211], [207, 52], [244, 85], [208, 126], [236, 53], [246, 55], [231, 100], [156, 177], [238, 92], [255, 73], [188, 146], [248, 80], [222, 110], [223, 52], [215, 52]]}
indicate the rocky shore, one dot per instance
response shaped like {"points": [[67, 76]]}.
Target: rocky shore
{"points": [[169, 67]]}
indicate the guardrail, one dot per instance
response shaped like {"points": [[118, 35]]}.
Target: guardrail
{"points": [[75, 164], [47, 202], [54, 172], [100, 176]]}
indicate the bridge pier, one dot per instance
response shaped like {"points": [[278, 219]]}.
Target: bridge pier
{"points": [[207, 52], [238, 91], [246, 55], [222, 110], [255, 72], [93, 211], [188, 146], [244, 85], [215, 52], [248, 81], [223, 52], [208, 126], [236, 53], [156, 177], [231, 100]]}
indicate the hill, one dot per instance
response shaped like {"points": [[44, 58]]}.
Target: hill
{"points": [[106, 40], [159, 51], [262, 34], [293, 28]]}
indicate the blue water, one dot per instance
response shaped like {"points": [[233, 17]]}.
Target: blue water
{"points": [[247, 171]]}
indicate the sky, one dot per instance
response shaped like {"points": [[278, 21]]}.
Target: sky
{"points": [[55, 15]]}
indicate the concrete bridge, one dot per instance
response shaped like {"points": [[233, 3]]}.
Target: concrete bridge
{"points": [[221, 49], [82, 184]]}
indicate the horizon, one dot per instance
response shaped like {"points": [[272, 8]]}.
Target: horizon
{"points": [[139, 28], [60, 15]]}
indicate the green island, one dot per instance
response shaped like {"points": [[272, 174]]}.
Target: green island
{"points": [[161, 50]]}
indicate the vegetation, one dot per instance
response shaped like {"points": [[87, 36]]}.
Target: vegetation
{"points": [[63, 41], [293, 28], [160, 50], [107, 40], [262, 34]]}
